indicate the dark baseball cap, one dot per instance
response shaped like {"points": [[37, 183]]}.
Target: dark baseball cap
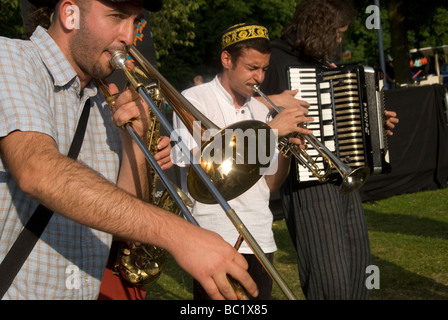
{"points": [[151, 5]]}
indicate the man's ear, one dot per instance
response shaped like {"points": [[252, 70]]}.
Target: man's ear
{"points": [[226, 59], [69, 15]]}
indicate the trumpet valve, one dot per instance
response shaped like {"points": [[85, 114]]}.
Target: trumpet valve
{"points": [[284, 147]]}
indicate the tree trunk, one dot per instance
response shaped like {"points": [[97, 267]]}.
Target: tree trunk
{"points": [[399, 41]]}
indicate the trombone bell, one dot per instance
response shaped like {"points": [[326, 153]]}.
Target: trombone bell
{"points": [[227, 161], [242, 176]]}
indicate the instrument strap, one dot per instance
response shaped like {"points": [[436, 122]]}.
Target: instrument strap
{"points": [[27, 239]]}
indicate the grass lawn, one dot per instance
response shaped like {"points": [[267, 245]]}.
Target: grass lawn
{"points": [[409, 243]]}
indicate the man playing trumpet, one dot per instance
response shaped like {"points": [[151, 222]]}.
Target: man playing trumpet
{"points": [[225, 100]]}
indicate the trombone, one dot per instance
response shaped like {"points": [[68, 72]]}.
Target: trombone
{"points": [[352, 180], [188, 113]]}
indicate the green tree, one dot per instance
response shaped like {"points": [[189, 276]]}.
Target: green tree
{"points": [[362, 42], [400, 48], [173, 25], [405, 24], [10, 19], [433, 34], [209, 20], [187, 32]]}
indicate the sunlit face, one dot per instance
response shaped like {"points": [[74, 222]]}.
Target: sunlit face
{"points": [[104, 28], [247, 71]]}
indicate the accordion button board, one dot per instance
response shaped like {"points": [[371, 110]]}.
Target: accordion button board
{"points": [[347, 105]]}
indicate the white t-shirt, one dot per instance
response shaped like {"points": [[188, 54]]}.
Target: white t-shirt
{"points": [[212, 100]]}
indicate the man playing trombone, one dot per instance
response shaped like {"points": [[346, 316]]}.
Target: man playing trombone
{"points": [[43, 91], [225, 100]]}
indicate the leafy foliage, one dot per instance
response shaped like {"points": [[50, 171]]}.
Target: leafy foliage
{"points": [[187, 33], [210, 18], [363, 42], [10, 19]]}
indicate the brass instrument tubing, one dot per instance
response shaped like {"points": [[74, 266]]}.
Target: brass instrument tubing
{"points": [[110, 99], [206, 180], [173, 96], [237, 287], [266, 263], [161, 174], [352, 179], [273, 105], [224, 204]]}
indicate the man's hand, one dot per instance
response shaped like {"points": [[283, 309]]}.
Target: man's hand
{"points": [[209, 259], [286, 99], [163, 157], [391, 121], [129, 107], [288, 121]]}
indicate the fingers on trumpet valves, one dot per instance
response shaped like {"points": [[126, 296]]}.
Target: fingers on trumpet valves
{"points": [[304, 123], [298, 140]]}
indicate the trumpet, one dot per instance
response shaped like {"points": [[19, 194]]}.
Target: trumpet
{"points": [[188, 113], [352, 179]]}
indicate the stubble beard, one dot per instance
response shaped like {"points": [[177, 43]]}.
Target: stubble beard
{"points": [[88, 56]]}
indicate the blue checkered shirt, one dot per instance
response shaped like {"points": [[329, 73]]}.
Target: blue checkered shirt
{"points": [[40, 91]]}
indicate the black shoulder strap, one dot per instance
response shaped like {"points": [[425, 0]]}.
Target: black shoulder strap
{"points": [[27, 239]]}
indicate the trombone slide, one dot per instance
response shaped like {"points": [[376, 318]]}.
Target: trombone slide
{"points": [[118, 62]]}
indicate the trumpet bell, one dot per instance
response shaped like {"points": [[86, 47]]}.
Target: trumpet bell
{"points": [[355, 180], [233, 159]]}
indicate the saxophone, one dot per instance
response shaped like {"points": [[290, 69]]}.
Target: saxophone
{"points": [[144, 264]]}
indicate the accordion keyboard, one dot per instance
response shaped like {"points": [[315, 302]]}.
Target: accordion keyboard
{"points": [[320, 109], [335, 105]]}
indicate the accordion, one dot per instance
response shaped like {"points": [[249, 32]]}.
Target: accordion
{"points": [[347, 104]]}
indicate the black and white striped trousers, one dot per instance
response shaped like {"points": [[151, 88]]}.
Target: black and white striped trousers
{"points": [[330, 235]]}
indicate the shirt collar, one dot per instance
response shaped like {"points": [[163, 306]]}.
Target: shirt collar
{"points": [[225, 95], [53, 58], [57, 64]]}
